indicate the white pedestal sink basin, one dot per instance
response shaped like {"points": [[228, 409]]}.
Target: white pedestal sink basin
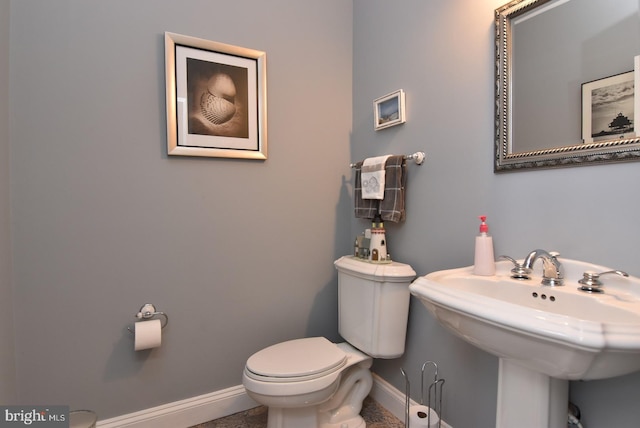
{"points": [[544, 336]]}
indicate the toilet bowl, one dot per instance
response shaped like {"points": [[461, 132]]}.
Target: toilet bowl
{"points": [[310, 382], [314, 383]]}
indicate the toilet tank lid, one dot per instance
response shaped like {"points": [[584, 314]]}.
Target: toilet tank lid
{"points": [[297, 358], [389, 272]]}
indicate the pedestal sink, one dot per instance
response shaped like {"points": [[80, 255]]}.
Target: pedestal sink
{"points": [[544, 336]]}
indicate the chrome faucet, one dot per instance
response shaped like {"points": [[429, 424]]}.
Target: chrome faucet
{"points": [[552, 273]]}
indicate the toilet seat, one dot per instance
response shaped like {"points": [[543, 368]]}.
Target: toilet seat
{"points": [[296, 361]]}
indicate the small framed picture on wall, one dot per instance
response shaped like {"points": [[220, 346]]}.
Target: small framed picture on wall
{"points": [[389, 110]]}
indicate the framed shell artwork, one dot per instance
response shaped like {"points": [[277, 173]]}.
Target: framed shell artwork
{"points": [[216, 99]]}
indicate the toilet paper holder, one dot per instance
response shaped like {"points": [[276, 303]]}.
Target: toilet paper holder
{"points": [[148, 312], [436, 387], [434, 406]]}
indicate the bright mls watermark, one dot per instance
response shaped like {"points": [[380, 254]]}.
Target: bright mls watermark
{"points": [[34, 416]]}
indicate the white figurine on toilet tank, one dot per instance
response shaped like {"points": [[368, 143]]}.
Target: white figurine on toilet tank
{"points": [[313, 382]]}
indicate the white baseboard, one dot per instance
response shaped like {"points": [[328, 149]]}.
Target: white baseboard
{"points": [[203, 408], [388, 396], [186, 413]]}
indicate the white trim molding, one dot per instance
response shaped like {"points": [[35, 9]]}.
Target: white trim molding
{"points": [[186, 413], [388, 396], [218, 404]]}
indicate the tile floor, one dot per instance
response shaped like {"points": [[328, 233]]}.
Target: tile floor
{"points": [[373, 413]]}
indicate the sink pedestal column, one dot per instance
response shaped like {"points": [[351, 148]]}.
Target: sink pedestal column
{"points": [[531, 399]]}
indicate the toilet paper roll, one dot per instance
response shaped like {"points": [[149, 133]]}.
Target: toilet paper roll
{"points": [[148, 334], [419, 417]]}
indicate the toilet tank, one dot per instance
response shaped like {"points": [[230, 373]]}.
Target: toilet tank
{"points": [[373, 305]]}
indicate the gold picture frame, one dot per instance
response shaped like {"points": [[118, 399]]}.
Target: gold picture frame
{"points": [[216, 99]]}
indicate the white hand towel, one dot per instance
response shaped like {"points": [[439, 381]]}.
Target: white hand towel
{"points": [[373, 177]]}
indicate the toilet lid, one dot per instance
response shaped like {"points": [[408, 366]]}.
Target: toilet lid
{"points": [[297, 358]]}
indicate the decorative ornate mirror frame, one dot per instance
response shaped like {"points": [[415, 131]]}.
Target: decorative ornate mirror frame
{"points": [[619, 150]]}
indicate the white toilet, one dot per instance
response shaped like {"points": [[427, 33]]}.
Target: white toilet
{"points": [[312, 382]]}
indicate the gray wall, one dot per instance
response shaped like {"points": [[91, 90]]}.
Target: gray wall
{"points": [[441, 53], [7, 350], [238, 253]]}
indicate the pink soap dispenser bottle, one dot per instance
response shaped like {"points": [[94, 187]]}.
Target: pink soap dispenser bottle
{"points": [[484, 262]]}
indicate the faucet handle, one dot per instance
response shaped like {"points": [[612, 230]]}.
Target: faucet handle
{"points": [[518, 271], [591, 280]]}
